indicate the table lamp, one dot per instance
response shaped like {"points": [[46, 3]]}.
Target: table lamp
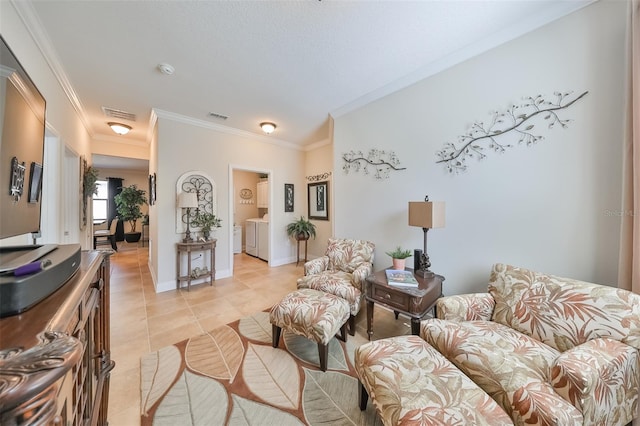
{"points": [[426, 214], [187, 200]]}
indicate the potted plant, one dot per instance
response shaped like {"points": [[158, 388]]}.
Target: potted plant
{"points": [[128, 204], [398, 257], [301, 229], [207, 221]]}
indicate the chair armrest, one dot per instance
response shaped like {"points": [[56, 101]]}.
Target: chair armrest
{"points": [[315, 266], [360, 274], [466, 307], [600, 378]]}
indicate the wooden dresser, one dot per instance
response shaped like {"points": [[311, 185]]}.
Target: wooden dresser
{"points": [[55, 358]]}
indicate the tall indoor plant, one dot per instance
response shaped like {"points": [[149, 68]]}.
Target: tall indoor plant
{"points": [[128, 203]]}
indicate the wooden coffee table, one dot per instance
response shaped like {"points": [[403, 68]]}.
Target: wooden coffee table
{"points": [[413, 302]]}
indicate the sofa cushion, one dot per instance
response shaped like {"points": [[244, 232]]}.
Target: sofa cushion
{"points": [[563, 312], [511, 367], [346, 255], [337, 283]]}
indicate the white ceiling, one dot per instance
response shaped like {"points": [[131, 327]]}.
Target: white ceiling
{"points": [[290, 62]]}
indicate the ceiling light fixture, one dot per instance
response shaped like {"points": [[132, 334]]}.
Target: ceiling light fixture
{"points": [[267, 127], [166, 69], [119, 128]]}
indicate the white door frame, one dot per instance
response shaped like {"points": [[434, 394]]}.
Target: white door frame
{"points": [[269, 173]]}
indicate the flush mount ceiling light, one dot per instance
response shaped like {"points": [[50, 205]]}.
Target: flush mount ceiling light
{"points": [[267, 127], [166, 69], [119, 128]]}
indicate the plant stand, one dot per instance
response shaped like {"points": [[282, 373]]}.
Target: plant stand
{"points": [[298, 250]]}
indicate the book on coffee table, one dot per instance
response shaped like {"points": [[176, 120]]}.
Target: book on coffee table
{"points": [[401, 278]]}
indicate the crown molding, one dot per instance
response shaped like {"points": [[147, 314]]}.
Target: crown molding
{"points": [[224, 129], [40, 37], [518, 29], [317, 145], [112, 139]]}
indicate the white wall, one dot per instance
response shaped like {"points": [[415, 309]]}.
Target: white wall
{"points": [[544, 207], [318, 162], [183, 147], [62, 120]]}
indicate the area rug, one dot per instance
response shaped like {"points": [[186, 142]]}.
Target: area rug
{"points": [[233, 376]]}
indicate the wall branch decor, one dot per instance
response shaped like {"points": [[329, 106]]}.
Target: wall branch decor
{"points": [[316, 178], [382, 162], [516, 120]]}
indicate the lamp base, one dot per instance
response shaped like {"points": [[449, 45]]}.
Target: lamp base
{"points": [[424, 273]]}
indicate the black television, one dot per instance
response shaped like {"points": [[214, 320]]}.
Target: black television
{"points": [[22, 128]]}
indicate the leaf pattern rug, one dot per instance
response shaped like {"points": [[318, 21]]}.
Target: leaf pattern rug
{"points": [[233, 376]]}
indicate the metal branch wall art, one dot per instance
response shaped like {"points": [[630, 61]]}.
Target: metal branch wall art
{"points": [[382, 163], [521, 120]]}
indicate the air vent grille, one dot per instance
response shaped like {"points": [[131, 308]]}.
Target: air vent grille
{"points": [[216, 115], [116, 113]]}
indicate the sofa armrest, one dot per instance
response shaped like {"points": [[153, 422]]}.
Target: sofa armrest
{"points": [[360, 274], [600, 378], [315, 266], [466, 307]]}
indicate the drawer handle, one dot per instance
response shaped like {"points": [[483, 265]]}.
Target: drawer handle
{"points": [[387, 296]]}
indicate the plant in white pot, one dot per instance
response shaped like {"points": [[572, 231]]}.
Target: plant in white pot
{"points": [[399, 256]]}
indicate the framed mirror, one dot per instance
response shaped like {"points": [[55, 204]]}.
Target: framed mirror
{"points": [[318, 200]]}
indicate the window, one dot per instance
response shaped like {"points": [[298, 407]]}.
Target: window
{"points": [[100, 201]]}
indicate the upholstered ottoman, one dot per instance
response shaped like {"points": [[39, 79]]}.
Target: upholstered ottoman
{"points": [[312, 314], [411, 383]]}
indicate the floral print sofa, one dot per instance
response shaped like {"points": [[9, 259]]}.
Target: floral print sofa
{"points": [[549, 350]]}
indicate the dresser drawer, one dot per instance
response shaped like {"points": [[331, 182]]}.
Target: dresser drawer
{"points": [[389, 297]]}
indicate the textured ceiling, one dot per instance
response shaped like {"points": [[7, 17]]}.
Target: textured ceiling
{"points": [[290, 62]]}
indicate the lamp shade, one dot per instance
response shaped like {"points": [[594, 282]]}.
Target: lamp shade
{"points": [[426, 214], [187, 200]]}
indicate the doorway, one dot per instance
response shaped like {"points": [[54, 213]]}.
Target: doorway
{"points": [[250, 200]]}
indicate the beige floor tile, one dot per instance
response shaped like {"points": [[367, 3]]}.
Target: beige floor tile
{"points": [[143, 320], [175, 335]]}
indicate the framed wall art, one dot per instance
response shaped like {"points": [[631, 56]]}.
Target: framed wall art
{"points": [[318, 200], [288, 197], [35, 182], [152, 189]]}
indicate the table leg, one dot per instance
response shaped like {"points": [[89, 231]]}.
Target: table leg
{"points": [[213, 266], [369, 319], [305, 250], [298, 253], [189, 270], [415, 326], [178, 270]]}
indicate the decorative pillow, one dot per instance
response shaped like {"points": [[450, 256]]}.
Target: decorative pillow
{"points": [[346, 255]]}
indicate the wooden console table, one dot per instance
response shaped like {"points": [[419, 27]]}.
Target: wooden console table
{"points": [[413, 302], [55, 358], [188, 248]]}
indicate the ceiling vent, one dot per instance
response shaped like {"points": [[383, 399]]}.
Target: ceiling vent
{"points": [[116, 113], [216, 115]]}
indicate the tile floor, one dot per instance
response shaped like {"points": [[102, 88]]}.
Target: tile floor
{"points": [[143, 321]]}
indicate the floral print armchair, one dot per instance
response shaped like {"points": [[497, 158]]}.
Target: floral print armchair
{"points": [[549, 350], [342, 272]]}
